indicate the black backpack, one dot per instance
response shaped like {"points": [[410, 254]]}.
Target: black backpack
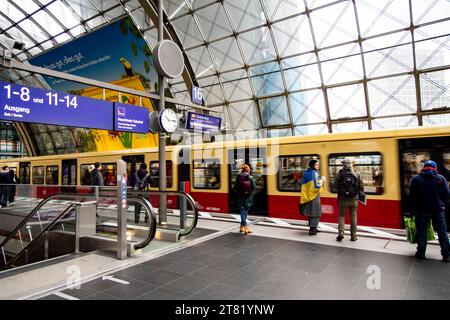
{"points": [[244, 185], [347, 184]]}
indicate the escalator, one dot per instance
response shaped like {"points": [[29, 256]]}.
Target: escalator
{"points": [[53, 228]]}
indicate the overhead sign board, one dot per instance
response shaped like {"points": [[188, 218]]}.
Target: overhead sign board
{"points": [[202, 122], [27, 104], [130, 118], [197, 96]]}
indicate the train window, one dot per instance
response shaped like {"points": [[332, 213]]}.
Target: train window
{"points": [[206, 173], [38, 175], [51, 175], [154, 174], [108, 170], [24, 173], [291, 169], [368, 166]]}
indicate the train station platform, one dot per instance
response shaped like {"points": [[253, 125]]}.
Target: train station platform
{"points": [[278, 261]]}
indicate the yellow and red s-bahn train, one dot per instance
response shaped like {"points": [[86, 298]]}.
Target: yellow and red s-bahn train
{"points": [[386, 161]]}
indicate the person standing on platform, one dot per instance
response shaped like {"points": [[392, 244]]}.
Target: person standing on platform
{"points": [[12, 186], [244, 186], [429, 193], [4, 188], [312, 186], [96, 175], [139, 182], [349, 187]]}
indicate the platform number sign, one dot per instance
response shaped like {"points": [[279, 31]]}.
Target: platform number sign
{"points": [[197, 96]]}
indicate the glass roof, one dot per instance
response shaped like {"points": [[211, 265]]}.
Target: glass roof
{"points": [[279, 67]]}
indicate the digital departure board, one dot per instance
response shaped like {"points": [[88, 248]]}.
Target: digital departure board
{"points": [[202, 122]]}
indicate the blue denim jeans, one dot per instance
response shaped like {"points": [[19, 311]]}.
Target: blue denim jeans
{"points": [[438, 220], [244, 215]]}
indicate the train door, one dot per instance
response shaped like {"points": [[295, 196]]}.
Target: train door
{"points": [[413, 152], [69, 175], [184, 172], [256, 158], [24, 173], [133, 163]]}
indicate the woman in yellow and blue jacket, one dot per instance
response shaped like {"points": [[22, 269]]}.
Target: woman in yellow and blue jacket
{"points": [[312, 186]]}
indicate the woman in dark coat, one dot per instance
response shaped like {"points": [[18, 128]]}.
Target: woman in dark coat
{"points": [[245, 186]]}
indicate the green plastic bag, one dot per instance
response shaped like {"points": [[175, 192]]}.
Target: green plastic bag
{"points": [[410, 227]]}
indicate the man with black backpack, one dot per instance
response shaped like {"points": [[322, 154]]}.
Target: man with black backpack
{"points": [[244, 187], [140, 182], [349, 186]]}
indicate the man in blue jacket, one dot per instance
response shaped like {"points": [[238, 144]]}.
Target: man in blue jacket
{"points": [[429, 193]]}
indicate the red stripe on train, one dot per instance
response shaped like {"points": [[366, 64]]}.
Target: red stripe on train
{"points": [[377, 213]]}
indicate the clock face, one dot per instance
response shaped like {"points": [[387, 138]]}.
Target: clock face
{"points": [[168, 120]]}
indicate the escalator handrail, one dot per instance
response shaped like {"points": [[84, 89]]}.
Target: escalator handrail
{"points": [[47, 228], [28, 217], [152, 219], [191, 200]]}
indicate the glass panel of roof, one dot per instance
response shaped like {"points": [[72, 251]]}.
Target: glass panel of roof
{"points": [[257, 46], [389, 61], [433, 53], [243, 115], [63, 37], [245, 14], [247, 134], [201, 61], [212, 93], [275, 133], [34, 51], [293, 36], [114, 13], [431, 31], [175, 8], [266, 79], [96, 22], [33, 30], [11, 11], [4, 23], [63, 14], [350, 126], [282, 8], [199, 3], [152, 37], [133, 4], [436, 120], [334, 24], [85, 9], [394, 122], [44, 2], [302, 77], [47, 45], [48, 23], [78, 30], [346, 68], [381, 16], [435, 89], [103, 5], [274, 111], [213, 22], [236, 85], [141, 19], [188, 32], [392, 96], [426, 11], [18, 35], [226, 54], [307, 107], [347, 101], [26, 5], [311, 129]]}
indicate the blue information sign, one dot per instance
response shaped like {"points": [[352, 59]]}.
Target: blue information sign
{"points": [[202, 122], [130, 118], [28, 104]]}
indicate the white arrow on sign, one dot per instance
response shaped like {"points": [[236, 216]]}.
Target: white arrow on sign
{"points": [[114, 279]]}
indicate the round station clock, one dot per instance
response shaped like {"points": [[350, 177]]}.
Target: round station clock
{"points": [[168, 120]]}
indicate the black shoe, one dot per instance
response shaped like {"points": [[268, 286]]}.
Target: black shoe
{"points": [[317, 230], [339, 238], [419, 256], [445, 259], [353, 238], [312, 232]]}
